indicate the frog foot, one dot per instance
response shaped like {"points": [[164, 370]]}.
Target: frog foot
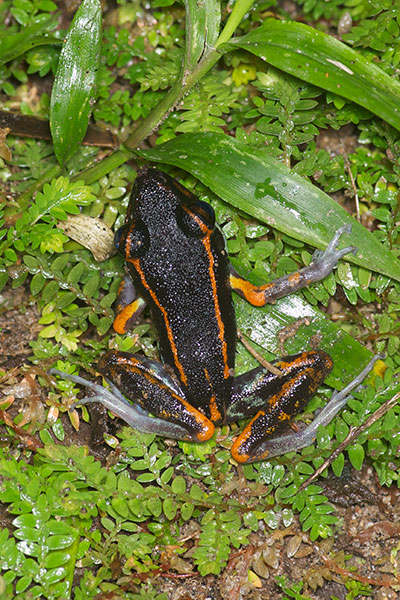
{"points": [[327, 259]]}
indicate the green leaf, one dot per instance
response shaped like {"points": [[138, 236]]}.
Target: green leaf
{"points": [[266, 189], [179, 485], [22, 584], [338, 464], [56, 559], [187, 511], [73, 88], [120, 506], [50, 291], [54, 527], [37, 283], [16, 44], [356, 455], [324, 61], [3, 279], [155, 506], [57, 542], [9, 253], [202, 28], [169, 508]]}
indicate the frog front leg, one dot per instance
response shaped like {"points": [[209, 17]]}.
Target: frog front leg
{"points": [[321, 266], [128, 307], [274, 399]]}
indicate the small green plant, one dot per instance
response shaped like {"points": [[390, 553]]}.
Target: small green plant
{"points": [[291, 591]]}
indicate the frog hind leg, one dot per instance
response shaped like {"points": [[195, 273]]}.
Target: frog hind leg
{"points": [[133, 414], [275, 446], [274, 399], [154, 391], [148, 383]]}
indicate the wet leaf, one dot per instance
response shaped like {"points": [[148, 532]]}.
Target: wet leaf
{"points": [[356, 455], [203, 19], [16, 44], [326, 62], [92, 233], [73, 89]]}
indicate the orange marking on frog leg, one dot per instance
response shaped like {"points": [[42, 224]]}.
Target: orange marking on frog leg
{"points": [[123, 316], [207, 431], [252, 293], [215, 414], [288, 385], [306, 361], [294, 278], [311, 367], [237, 453], [136, 264]]}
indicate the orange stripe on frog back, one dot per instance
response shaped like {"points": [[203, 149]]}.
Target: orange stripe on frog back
{"points": [[217, 311], [136, 263]]}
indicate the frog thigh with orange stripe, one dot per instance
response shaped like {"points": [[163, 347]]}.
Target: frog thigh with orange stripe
{"points": [[275, 398], [156, 391]]}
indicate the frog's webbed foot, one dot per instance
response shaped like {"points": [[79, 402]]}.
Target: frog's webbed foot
{"points": [[133, 414], [305, 437], [324, 261]]}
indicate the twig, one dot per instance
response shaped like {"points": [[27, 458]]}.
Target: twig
{"points": [[351, 436], [258, 356]]}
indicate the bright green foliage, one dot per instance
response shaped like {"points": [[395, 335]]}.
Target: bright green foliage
{"points": [[319, 8], [77, 528], [378, 34], [143, 501], [358, 589], [32, 23], [286, 115], [206, 104], [161, 72], [36, 227], [358, 9], [154, 70], [65, 490]]}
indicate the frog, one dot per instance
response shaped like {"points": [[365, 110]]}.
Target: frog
{"points": [[178, 265]]}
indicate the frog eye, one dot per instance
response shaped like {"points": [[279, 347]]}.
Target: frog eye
{"points": [[205, 212], [131, 241], [196, 219]]}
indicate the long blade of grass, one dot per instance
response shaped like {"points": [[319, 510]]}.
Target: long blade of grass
{"points": [[16, 44], [73, 88], [263, 326], [202, 28], [324, 61]]}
